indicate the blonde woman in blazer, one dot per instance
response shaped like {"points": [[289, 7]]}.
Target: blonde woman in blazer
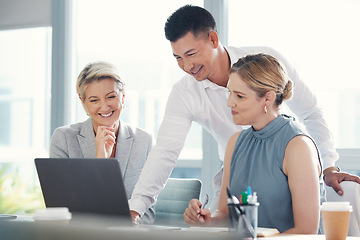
{"points": [[103, 134]]}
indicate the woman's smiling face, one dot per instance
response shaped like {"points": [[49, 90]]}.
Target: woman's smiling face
{"points": [[104, 102]]}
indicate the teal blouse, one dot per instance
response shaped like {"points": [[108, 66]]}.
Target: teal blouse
{"points": [[257, 162]]}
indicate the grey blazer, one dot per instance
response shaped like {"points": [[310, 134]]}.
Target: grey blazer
{"points": [[133, 146]]}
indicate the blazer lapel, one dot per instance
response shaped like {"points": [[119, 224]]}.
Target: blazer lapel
{"points": [[86, 139], [124, 145]]}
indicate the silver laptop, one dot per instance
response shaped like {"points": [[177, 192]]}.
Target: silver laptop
{"points": [[90, 186]]}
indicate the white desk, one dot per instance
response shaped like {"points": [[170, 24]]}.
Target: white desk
{"points": [[105, 229], [222, 231], [302, 237]]}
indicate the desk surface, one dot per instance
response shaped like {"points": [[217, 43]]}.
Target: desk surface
{"points": [[302, 237], [273, 237], [91, 229]]}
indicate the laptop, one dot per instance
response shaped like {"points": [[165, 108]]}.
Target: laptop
{"points": [[87, 186]]}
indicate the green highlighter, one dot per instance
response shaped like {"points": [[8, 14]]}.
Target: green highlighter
{"points": [[244, 197]]}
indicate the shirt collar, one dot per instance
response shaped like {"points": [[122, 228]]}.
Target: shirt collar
{"points": [[232, 55], [233, 59], [209, 84]]}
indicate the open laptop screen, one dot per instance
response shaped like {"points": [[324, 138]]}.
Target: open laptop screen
{"points": [[83, 185]]}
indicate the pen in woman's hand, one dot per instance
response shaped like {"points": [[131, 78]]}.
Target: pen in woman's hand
{"points": [[206, 197]]}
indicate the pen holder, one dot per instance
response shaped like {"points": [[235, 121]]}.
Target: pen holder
{"points": [[243, 218], [249, 222], [233, 217]]}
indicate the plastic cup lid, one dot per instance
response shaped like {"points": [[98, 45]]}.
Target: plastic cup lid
{"points": [[336, 206]]}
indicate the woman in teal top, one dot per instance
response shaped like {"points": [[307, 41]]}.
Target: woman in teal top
{"points": [[274, 156]]}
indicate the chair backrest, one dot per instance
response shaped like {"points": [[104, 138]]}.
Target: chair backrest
{"points": [[352, 195], [174, 199]]}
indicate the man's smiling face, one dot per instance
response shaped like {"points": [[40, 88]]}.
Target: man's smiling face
{"points": [[194, 55]]}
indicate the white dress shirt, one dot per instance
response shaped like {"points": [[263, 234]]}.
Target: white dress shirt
{"points": [[206, 103]]}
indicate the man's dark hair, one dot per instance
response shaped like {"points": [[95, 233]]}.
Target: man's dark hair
{"points": [[186, 19]]}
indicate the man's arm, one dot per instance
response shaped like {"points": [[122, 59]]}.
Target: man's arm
{"points": [[304, 105], [333, 177], [162, 158]]}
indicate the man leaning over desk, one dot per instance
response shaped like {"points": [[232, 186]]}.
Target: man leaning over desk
{"points": [[200, 96]]}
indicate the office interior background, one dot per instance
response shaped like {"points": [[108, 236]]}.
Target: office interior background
{"points": [[44, 44]]}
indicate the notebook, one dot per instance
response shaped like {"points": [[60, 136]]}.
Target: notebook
{"points": [[90, 186]]}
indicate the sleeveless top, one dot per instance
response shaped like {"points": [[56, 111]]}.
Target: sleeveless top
{"points": [[257, 161]]}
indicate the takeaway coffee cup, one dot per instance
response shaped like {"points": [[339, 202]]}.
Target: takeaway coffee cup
{"points": [[335, 218], [53, 215]]}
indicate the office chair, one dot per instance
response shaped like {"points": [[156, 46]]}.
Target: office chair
{"points": [[174, 199], [352, 195]]}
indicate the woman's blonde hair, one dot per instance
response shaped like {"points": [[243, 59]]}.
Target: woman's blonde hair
{"points": [[263, 73], [97, 71]]}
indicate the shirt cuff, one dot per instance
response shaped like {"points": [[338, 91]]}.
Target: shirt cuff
{"points": [[139, 205], [329, 160]]}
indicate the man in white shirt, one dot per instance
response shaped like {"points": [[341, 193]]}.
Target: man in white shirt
{"points": [[201, 96]]}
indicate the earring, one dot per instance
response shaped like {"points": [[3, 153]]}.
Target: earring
{"points": [[265, 109]]}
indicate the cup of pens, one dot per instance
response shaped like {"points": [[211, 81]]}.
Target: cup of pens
{"points": [[243, 213]]}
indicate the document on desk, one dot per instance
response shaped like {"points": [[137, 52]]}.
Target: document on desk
{"points": [[266, 232], [206, 229], [144, 227], [261, 232]]}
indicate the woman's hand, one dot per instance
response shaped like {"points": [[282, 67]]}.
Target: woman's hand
{"points": [[105, 140], [194, 215]]}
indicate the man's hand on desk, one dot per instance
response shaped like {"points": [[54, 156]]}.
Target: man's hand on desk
{"points": [[333, 177], [135, 217]]}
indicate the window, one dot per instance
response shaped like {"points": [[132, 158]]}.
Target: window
{"points": [[24, 93], [24, 116], [128, 35], [320, 38]]}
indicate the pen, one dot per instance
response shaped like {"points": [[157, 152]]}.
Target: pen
{"points": [[231, 198], [234, 210], [244, 198], [248, 197], [254, 198], [249, 191], [204, 204]]}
